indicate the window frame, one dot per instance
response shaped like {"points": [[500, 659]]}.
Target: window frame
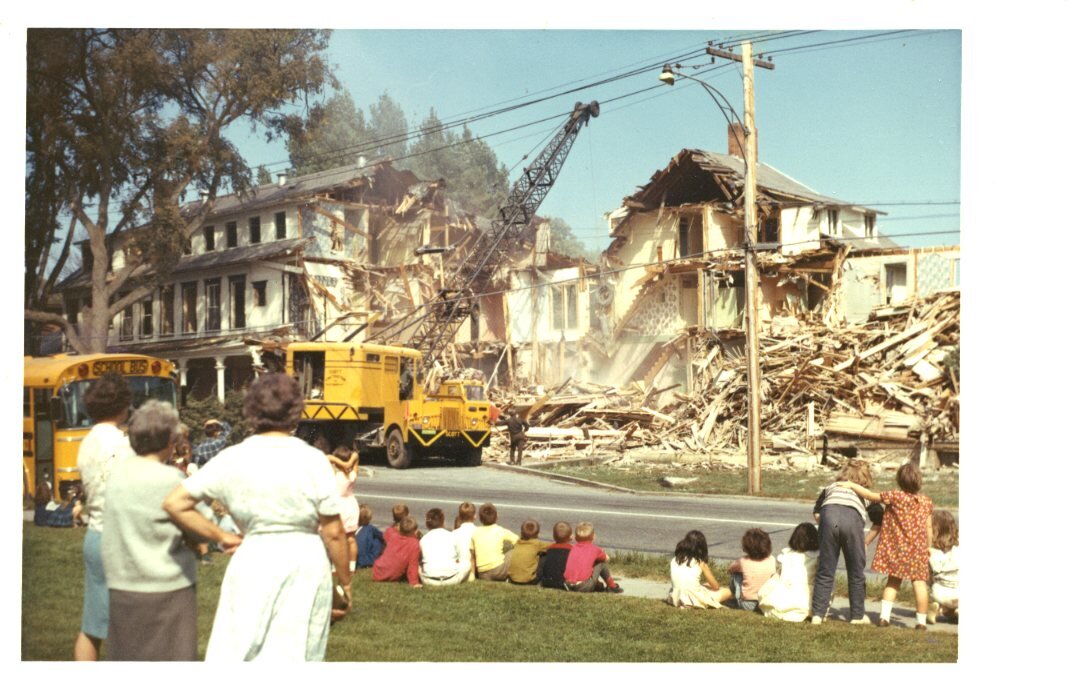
{"points": [[189, 288], [232, 234], [281, 225], [255, 230], [260, 292], [236, 285], [147, 317], [209, 239], [166, 310], [213, 307]]}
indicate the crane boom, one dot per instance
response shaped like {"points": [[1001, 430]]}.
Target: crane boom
{"points": [[446, 313]]}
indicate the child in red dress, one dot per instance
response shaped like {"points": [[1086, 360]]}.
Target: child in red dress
{"points": [[903, 551]]}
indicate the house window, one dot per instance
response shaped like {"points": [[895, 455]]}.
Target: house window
{"points": [[769, 230], [147, 321], [126, 324], [166, 311], [564, 307], [189, 307], [281, 225], [209, 238], [690, 236], [232, 234], [871, 220], [237, 286], [211, 305], [255, 229], [895, 283], [259, 293], [71, 311], [833, 222]]}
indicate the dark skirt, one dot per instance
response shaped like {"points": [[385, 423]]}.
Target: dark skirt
{"points": [[149, 627]]}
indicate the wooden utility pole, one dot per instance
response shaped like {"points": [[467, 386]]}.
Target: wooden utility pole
{"points": [[752, 277]]}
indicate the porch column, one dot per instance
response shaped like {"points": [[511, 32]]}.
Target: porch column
{"points": [[182, 369], [220, 380]]}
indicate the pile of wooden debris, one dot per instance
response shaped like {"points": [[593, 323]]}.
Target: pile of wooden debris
{"points": [[884, 384]]}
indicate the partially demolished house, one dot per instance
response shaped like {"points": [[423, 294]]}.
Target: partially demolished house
{"points": [[315, 255], [854, 330], [678, 263]]}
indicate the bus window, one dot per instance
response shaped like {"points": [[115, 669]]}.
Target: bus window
{"points": [[143, 388], [26, 402]]}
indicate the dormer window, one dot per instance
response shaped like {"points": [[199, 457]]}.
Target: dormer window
{"points": [[871, 221]]}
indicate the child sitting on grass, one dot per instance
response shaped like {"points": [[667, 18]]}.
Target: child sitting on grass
{"points": [[463, 536], [525, 560], [689, 563], [439, 559], [401, 558], [586, 570], [400, 511], [786, 595], [944, 569], [493, 546], [751, 571], [554, 561], [368, 540]]}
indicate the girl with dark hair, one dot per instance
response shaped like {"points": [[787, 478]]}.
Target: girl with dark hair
{"points": [[276, 600], [751, 571], [689, 563], [903, 551], [107, 402], [786, 595]]}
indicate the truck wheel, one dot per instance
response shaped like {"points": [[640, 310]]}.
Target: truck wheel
{"points": [[398, 454], [471, 457]]}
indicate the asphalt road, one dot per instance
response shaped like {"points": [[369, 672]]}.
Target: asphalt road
{"points": [[623, 521]]}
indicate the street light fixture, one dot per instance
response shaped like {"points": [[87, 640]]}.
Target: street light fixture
{"points": [[752, 336]]}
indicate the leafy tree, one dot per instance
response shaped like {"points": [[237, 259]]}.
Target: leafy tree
{"points": [[197, 411], [388, 128], [562, 240], [263, 176], [121, 122], [474, 178], [332, 134]]}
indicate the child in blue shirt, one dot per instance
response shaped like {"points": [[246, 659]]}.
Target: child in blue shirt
{"points": [[368, 539]]}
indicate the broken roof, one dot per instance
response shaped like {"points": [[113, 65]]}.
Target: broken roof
{"points": [[219, 258], [700, 176], [369, 175]]}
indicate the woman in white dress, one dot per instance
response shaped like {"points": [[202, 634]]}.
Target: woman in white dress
{"points": [[689, 563], [276, 598]]}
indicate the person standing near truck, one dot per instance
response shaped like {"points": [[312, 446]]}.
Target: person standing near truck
{"points": [[516, 429]]}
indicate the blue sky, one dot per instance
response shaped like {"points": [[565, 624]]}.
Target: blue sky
{"points": [[868, 121]]}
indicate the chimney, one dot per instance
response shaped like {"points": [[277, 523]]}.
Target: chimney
{"points": [[360, 162], [737, 140], [281, 178]]}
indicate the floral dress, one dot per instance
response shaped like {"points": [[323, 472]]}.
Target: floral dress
{"points": [[902, 550]]}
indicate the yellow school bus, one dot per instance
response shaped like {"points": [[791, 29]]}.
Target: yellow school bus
{"points": [[367, 396], [55, 419]]}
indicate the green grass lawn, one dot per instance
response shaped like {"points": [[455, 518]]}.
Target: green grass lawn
{"points": [[943, 486], [392, 622]]}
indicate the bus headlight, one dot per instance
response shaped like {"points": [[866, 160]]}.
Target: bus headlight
{"points": [[425, 420], [474, 421]]}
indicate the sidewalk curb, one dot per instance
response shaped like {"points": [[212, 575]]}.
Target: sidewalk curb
{"points": [[560, 477]]}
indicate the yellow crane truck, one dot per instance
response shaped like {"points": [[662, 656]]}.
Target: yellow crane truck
{"points": [[367, 396], [371, 395]]}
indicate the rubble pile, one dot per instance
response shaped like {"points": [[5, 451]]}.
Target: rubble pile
{"points": [[884, 383]]}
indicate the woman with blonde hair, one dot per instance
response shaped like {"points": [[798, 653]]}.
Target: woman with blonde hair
{"points": [[841, 516]]}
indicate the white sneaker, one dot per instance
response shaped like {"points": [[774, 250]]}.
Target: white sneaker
{"points": [[932, 613], [816, 620], [864, 620]]}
